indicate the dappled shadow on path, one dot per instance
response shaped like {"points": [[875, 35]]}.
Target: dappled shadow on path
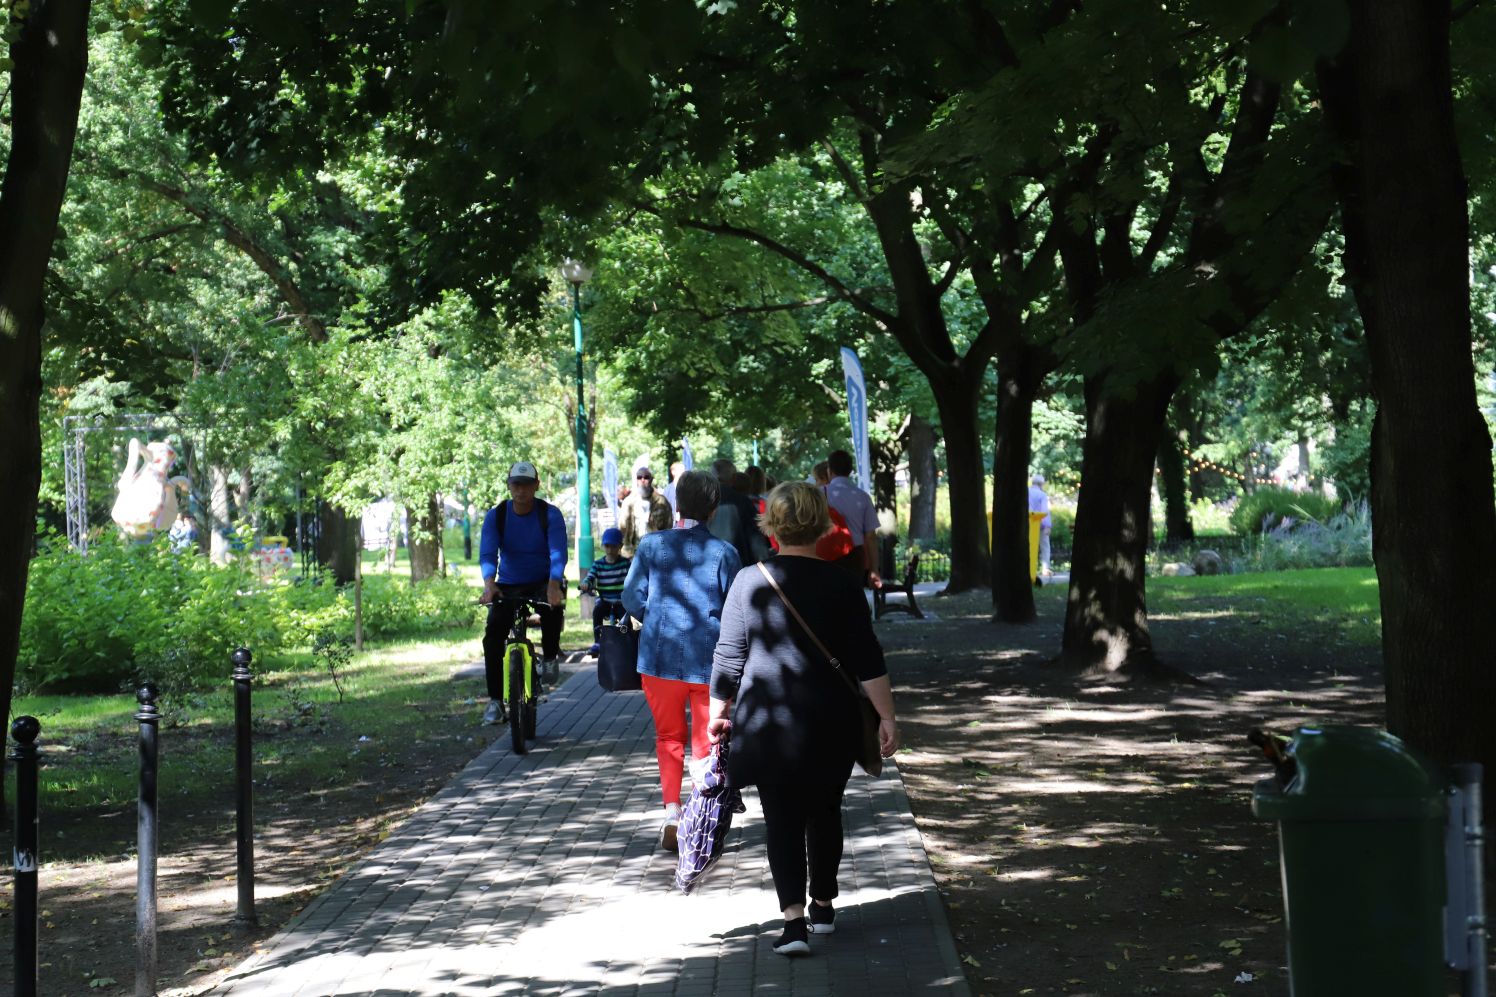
{"points": [[1096, 838], [541, 874]]}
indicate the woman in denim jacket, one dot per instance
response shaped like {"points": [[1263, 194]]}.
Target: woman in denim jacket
{"points": [[677, 585]]}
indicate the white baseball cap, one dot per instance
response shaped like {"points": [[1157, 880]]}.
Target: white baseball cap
{"points": [[523, 470]]}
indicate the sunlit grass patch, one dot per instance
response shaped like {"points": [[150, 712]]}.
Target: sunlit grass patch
{"points": [[1344, 598]]}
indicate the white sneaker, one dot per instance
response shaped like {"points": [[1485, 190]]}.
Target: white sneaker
{"points": [[491, 712], [668, 829]]}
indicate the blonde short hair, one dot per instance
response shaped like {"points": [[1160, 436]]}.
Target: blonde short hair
{"points": [[795, 513]]}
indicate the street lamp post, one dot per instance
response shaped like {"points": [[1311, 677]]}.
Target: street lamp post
{"points": [[576, 275]]}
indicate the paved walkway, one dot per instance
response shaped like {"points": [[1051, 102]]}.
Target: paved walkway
{"points": [[538, 874]]}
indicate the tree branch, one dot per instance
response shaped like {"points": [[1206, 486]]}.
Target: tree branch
{"points": [[271, 267], [123, 245], [848, 175], [850, 295], [783, 306]]}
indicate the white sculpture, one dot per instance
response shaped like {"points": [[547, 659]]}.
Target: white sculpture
{"points": [[147, 499]]}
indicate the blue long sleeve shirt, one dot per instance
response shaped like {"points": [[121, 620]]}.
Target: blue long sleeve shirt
{"points": [[534, 552]]}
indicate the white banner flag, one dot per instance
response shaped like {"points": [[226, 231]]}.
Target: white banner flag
{"points": [[857, 414], [610, 482]]}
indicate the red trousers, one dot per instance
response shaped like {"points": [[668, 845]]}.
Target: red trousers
{"points": [[669, 701]]}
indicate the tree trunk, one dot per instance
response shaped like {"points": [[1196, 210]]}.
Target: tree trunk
{"points": [[885, 457], [921, 478], [425, 540], [1402, 190], [218, 513], [49, 59], [1175, 491], [338, 547], [1306, 477], [1012, 586], [970, 565], [1106, 619], [242, 496]]}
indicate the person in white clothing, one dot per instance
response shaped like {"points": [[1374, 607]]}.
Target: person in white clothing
{"points": [[856, 507], [1039, 502]]}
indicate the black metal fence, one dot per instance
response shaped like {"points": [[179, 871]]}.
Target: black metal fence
{"points": [[26, 752]]}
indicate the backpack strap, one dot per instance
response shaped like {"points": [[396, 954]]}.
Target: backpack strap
{"points": [[545, 507]]}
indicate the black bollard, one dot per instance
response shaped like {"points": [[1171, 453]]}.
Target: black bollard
{"points": [[244, 916], [145, 828], [24, 730]]}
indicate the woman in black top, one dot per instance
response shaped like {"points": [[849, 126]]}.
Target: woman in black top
{"points": [[794, 721]]}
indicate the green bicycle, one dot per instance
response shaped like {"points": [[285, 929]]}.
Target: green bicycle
{"points": [[522, 685]]}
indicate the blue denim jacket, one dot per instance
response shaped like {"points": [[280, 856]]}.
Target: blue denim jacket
{"points": [[677, 586]]}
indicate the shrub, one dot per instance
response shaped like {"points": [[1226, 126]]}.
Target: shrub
{"points": [[1210, 518], [1266, 508], [1062, 526], [309, 606], [130, 610], [394, 606], [1342, 540]]}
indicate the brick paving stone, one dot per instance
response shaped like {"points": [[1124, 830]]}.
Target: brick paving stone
{"points": [[539, 874]]}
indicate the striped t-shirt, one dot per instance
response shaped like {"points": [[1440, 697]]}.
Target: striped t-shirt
{"points": [[608, 576]]}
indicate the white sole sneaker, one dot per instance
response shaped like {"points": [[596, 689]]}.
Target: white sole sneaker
{"points": [[820, 929]]}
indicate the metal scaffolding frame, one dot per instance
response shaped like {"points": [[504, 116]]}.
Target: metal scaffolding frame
{"points": [[75, 433]]}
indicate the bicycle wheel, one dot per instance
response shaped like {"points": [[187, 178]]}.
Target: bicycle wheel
{"points": [[532, 703], [515, 664]]}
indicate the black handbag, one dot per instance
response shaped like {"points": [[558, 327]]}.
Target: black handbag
{"points": [[618, 657], [869, 749]]}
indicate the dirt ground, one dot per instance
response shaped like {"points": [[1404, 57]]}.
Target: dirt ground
{"points": [[1092, 838], [1088, 838]]}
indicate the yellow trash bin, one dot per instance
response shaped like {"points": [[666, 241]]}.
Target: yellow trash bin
{"points": [[1035, 518]]}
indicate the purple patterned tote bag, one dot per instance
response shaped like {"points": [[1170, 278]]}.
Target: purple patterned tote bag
{"points": [[707, 818]]}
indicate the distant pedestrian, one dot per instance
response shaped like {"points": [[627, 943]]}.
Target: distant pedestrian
{"points": [[183, 533], [643, 512], [676, 586], [795, 724], [1039, 502], [676, 470], [758, 484], [737, 517], [856, 507], [605, 581]]}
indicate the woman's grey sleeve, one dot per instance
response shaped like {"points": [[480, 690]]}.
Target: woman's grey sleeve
{"points": [[731, 656]]}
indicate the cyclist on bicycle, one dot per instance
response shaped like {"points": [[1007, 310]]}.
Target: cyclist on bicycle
{"points": [[605, 581], [522, 553]]}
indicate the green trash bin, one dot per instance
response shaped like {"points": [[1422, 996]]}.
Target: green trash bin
{"points": [[1361, 843]]}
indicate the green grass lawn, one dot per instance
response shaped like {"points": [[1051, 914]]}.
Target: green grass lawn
{"points": [[1345, 598]]}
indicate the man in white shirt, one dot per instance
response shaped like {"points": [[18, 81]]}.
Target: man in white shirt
{"points": [[1039, 502], [856, 507]]}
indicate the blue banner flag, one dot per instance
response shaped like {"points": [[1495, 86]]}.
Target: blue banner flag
{"points": [[685, 452], [857, 414], [610, 483]]}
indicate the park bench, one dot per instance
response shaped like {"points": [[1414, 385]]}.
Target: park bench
{"points": [[888, 570]]}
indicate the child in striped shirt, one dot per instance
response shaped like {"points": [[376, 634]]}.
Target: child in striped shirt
{"points": [[605, 580]]}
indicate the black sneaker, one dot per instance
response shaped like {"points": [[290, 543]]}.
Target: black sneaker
{"points": [[795, 940], [822, 919]]}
